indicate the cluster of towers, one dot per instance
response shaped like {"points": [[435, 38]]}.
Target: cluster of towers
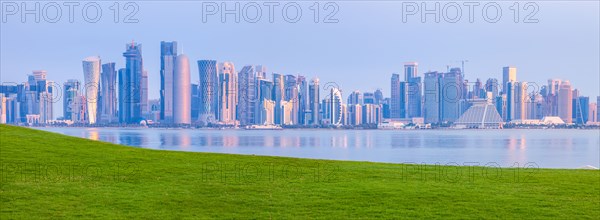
{"points": [[225, 96]]}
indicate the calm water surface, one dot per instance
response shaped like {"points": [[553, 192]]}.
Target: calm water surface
{"points": [[546, 148]]}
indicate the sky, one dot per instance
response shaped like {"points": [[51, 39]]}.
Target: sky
{"points": [[368, 43]]}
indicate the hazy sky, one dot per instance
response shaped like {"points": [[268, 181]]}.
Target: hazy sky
{"points": [[360, 52]]}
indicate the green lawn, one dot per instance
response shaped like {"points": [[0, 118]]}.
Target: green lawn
{"points": [[46, 175]]}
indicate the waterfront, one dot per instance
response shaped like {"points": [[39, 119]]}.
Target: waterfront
{"points": [[546, 148]]}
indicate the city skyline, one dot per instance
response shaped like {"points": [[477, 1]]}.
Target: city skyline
{"points": [[331, 51], [243, 99]]}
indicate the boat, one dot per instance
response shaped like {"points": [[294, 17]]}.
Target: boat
{"points": [[263, 127]]}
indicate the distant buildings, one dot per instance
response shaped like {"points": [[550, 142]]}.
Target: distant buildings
{"points": [[225, 97], [509, 74]]}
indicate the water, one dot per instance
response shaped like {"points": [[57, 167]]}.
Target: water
{"points": [[546, 148]]}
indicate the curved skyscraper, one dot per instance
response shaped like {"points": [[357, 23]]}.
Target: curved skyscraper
{"points": [[182, 100], [208, 91], [91, 76], [108, 98]]}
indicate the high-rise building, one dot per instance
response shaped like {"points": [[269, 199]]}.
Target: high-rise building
{"points": [[509, 73], [91, 76], [516, 98], [313, 97], [182, 91], [355, 114], [70, 93], [396, 97], [431, 95], [46, 109], [491, 85], [413, 91], [368, 98], [303, 100], [371, 114], [168, 53], [410, 70], [278, 95], [335, 110], [581, 107], [291, 95], [227, 93], [478, 90], [355, 98], [378, 96], [195, 94], [108, 96], [209, 92], [597, 108], [565, 102], [266, 112], [134, 83], [593, 112], [248, 95], [413, 95], [451, 95]]}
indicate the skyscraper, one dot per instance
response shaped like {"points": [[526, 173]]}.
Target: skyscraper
{"points": [[491, 85], [91, 76], [451, 95], [278, 95], [581, 107], [313, 94], [396, 97], [247, 98], [302, 100], [432, 97], [108, 97], [266, 112], [209, 91], [182, 100], [509, 73], [291, 95], [335, 110], [195, 102], [133, 94], [410, 70], [378, 96], [565, 102], [70, 93], [413, 95], [355, 98], [227, 93], [168, 53]]}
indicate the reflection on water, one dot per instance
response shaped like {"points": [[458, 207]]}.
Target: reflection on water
{"points": [[547, 148]]}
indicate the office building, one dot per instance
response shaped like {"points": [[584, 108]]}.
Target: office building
{"points": [[228, 91], [168, 53], [91, 76], [208, 92], [182, 100], [565, 102]]}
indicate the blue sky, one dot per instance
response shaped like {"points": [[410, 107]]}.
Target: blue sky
{"points": [[360, 52]]}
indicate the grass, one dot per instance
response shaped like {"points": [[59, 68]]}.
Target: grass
{"points": [[47, 175]]}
